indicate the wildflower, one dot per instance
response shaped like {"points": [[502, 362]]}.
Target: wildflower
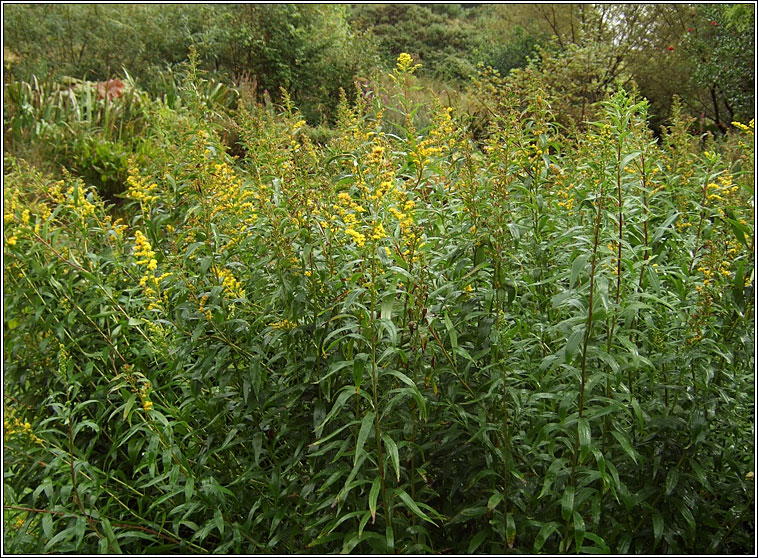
{"points": [[741, 126], [232, 287], [404, 62], [283, 324], [142, 249], [359, 238], [379, 232], [671, 48]]}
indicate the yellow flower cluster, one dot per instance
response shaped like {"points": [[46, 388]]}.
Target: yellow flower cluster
{"points": [[566, 193], [722, 189], [11, 204], [203, 310], [283, 324], [359, 238], [717, 262], [229, 194], [144, 395], [404, 64], [139, 188], [55, 191], [750, 128], [15, 427], [115, 228], [63, 359], [149, 281], [143, 249], [76, 200], [440, 139], [232, 287], [348, 211], [378, 233], [405, 217]]}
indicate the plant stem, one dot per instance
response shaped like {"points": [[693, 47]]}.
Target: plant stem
{"points": [[375, 394]]}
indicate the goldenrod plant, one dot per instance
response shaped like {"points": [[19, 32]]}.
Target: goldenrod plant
{"points": [[464, 333]]}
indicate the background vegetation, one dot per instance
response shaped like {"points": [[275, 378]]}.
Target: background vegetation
{"points": [[297, 290]]}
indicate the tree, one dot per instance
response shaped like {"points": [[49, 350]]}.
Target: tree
{"points": [[720, 45]]}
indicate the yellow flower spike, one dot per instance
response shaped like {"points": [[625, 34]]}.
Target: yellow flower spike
{"points": [[404, 62]]}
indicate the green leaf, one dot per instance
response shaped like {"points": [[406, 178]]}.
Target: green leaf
{"points": [[627, 158], [573, 342], [411, 505], [391, 446], [218, 521], [372, 497], [451, 331], [366, 424], [344, 395], [657, 524], [661, 230], [741, 231], [579, 529], [510, 530], [625, 444], [545, 531], [687, 515], [494, 500], [672, 479], [585, 438], [386, 308], [638, 413], [577, 266], [477, 540], [129, 404], [189, 489], [47, 525], [110, 535], [567, 503], [364, 520], [601, 548], [552, 473]]}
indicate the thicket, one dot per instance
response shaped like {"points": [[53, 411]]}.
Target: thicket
{"points": [[702, 53], [401, 337]]}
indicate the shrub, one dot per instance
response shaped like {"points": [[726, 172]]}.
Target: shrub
{"points": [[393, 341]]}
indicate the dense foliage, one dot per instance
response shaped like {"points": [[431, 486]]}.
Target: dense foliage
{"points": [[399, 338], [702, 53]]}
